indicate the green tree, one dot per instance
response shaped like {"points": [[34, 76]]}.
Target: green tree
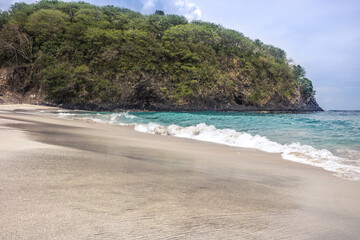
{"points": [[231, 39], [91, 17], [159, 12], [299, 72], [304, 83], [159, 23], [4, 17], [47, 24], [191, 34]]}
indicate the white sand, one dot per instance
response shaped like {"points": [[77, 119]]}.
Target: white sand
{"points": [[63, 179]]}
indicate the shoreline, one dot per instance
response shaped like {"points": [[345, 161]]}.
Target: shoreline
{"points": [[183, 108], [287, 151], [76, 180]]}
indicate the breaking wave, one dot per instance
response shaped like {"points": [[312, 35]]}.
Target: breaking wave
{"points": [[343, 167], [114, 118], [294, 152]]}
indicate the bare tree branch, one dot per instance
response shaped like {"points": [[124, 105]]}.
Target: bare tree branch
{"points": [[13, 40]]}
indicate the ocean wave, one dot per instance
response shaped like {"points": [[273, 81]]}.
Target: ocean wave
{"points": [[294, 152], [114, 118], [345, 168]]}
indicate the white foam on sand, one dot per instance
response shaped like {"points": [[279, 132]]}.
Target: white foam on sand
{"points": [[294, 152]]}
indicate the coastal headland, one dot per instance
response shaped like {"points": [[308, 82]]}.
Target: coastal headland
{"points": [[71, 179], [107, 58]]}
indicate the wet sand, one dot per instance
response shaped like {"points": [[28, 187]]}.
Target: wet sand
{"points": [[69, 179]]}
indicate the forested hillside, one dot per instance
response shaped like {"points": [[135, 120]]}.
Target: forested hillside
{"points": [[107, 57]]}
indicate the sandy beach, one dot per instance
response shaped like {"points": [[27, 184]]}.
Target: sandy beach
{"points": [[70, 179]]}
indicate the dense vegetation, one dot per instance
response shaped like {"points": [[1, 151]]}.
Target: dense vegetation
{"points": [[74, 52]]}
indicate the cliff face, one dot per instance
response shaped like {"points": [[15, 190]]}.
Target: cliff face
{"points": [[9, 93], [108, 58], [148, 95]]}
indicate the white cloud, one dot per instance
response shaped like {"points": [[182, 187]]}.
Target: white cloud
{"points": [[149, 5], [189, 9]]}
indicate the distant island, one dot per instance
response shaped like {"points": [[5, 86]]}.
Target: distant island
{"points": [[109, 58]]}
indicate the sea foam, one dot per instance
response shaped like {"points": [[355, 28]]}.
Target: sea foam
{"points": [[294, 152], [114, 118]]}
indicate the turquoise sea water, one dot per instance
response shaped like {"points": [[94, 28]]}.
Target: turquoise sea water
{"points": [[330, 139]]}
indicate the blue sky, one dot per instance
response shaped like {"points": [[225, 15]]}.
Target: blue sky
{"points": [[321, 35]]}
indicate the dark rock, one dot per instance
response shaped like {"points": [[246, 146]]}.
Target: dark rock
{"points": [[146, 105]]}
